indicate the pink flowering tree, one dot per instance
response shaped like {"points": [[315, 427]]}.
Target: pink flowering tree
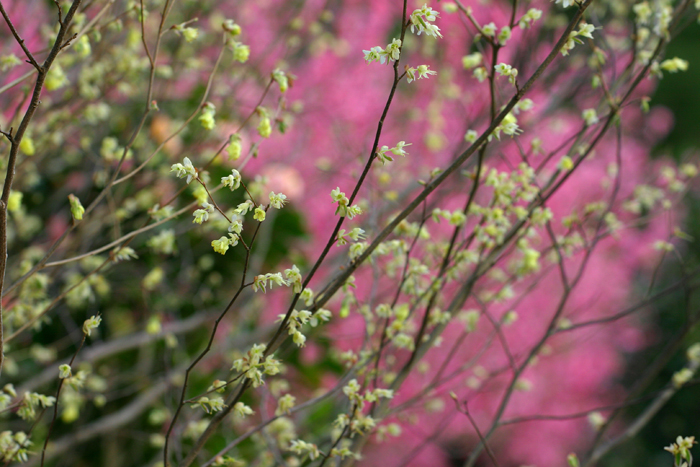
{"points": [[334, 233]]}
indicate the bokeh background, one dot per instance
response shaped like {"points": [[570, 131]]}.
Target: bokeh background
{"points": [[200, 273], [681, 94]]}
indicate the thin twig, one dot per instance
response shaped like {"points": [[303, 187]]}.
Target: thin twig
{"points": [[14, 151], [20, 41]]}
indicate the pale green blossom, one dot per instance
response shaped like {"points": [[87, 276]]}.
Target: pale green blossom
{"points": [[202, 215], [186, 169], [241, 52], [285, 404], [503, 69], [259, 214], [674, 65], [92, 323], [233, 181], [480, 74], [7, 62], [277, 200], [303, 448], [471, 61], [527, 20], [421, 20], [212, 405], [590, 117], [294, 277], [235, 148], [206, 118], [64, 371], [231, 27], [282, 80], [585, 30], [565, 164], [504, 35], [242, 410], [221, 245], [489, 30], [76, 208]]}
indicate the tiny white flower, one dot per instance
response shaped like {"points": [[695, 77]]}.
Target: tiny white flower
{"points": [[202, 215], [278, 200], [221, 245], [489, 29], [471, 61], [64, 371], [232, 181], [92, 323], [590, 117], [373, 54], [184, 170], [242, 410], [392, 52], [259, 214], [504, 35], [421, 20], [424, 71], [480, 74]]}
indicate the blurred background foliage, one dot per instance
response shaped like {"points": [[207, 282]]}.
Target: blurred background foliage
{"points": [[678, 92], [681, 94]]}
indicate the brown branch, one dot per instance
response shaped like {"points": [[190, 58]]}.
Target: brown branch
{"points": [[113, 421], [456, 164], [20, 41], [202, 354], [58, 396], [640, 422], [42, 71], [465, 411]]}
